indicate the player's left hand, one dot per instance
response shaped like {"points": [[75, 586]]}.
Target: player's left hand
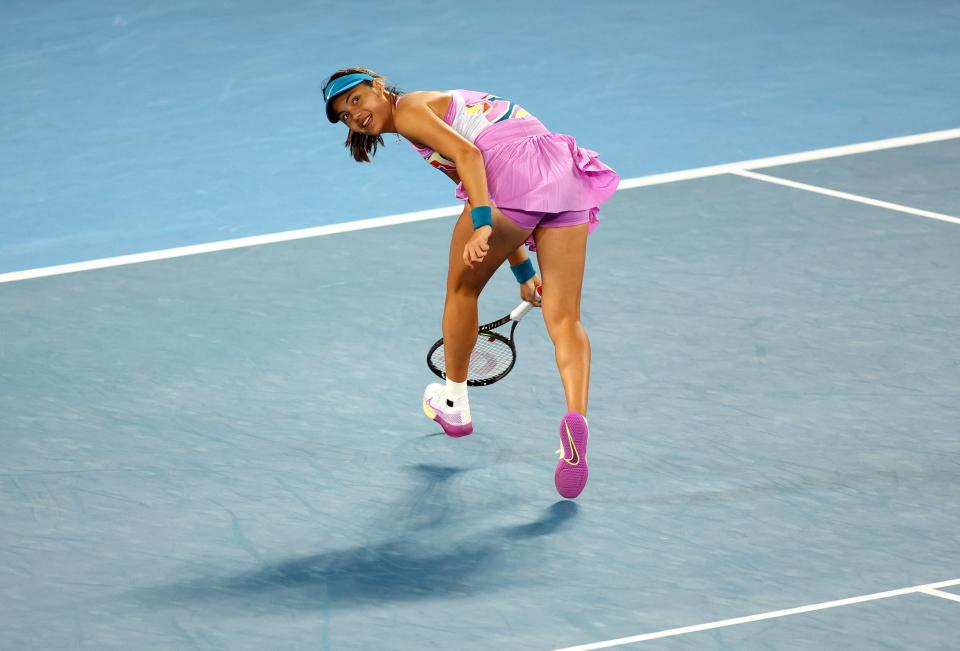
{"points": [[476, 248]]}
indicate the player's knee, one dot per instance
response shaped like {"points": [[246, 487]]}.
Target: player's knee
{"points": [[462, 290], [561, 322]]}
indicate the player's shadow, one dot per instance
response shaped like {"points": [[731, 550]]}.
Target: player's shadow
{"points": [[410, 567]]}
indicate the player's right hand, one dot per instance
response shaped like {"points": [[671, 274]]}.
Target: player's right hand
{"points": [[529, 291]]}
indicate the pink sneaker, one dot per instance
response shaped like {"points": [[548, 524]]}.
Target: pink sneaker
{"points": [[571, 474], [455, 421]]}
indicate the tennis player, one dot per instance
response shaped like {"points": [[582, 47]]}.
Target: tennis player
{"points": [[521, 184]]}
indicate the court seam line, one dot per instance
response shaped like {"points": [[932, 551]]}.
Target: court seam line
{"points": [[773, 614], [878, 203], [435, 213], [941, 594]]}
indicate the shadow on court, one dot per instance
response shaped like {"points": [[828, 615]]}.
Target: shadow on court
{"points": [[414, 565]]}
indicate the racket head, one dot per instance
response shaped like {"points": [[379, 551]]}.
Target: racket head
{"points": [[492, 357]]}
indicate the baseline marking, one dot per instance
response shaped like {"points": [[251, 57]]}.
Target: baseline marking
{"points": [[927, 588], [625, 184], [846, 195], [224, 245]]}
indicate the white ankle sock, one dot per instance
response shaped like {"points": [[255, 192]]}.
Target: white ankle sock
{"points": [[456, 392]]}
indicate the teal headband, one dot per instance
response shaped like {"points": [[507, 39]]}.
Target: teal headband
{"points": [[340, 85]]}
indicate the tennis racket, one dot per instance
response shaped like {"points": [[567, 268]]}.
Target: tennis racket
{"points": [[493, 355]]}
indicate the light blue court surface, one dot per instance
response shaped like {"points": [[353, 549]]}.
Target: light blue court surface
{"points": [[135, 126], [901, 623], [226, 451]]}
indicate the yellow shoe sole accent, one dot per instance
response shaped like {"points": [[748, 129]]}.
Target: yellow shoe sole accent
{"points": [[431, 414]]}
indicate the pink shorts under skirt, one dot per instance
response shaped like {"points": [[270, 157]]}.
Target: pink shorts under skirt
{"points": [[539, 178], [531, 219]]}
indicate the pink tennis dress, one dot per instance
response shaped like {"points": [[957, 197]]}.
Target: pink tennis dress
{"points": [[529, 169]]}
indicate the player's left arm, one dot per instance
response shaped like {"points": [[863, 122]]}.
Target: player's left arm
{"points": [[528, 290], [453, 176]]}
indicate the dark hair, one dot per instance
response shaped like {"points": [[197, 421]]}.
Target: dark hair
{"points": [[362, 146]]}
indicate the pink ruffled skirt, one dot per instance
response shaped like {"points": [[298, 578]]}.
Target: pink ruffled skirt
{"points": [[531, 169]]}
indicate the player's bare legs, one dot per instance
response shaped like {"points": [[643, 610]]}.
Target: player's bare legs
{"points": [[561, 253], [448, 405], [464, 285]]}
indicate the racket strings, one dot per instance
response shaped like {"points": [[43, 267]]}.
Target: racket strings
{"points": [[491, 357]]}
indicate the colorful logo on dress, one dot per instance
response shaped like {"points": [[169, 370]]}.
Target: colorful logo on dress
{"points": [[496, 109], [441, 163]]}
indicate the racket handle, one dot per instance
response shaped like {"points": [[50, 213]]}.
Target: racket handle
{"points": [[521, 310]]}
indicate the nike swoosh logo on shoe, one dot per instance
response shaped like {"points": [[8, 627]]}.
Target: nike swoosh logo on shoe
{"points": [[574, 454]]}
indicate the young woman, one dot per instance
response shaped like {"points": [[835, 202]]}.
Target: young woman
{"points": [[521, 184]]}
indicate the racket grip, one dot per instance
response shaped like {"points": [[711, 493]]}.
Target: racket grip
{"points": [[520, 310]]}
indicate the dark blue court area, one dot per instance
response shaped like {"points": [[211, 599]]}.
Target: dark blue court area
{"points": [[226, 451]]}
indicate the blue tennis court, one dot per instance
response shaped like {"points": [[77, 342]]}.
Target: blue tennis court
{"points": [[223, 448]]}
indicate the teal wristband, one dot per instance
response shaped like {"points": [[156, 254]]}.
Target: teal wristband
{"points": [[481, 216], [523, 271]]}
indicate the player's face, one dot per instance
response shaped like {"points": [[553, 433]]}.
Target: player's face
{"points": [[363, 108]]}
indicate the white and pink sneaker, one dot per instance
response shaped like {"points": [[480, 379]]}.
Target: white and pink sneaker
{"points": [[454, 418]]}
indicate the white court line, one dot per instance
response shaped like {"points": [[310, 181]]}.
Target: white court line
{"points": [[790, 159], [625, 184], [224, 245], [941, 594], [756, 618], [849, 197]]}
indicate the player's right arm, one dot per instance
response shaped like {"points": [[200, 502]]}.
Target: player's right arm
{"points": [[528, 290], [415, 121]]}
